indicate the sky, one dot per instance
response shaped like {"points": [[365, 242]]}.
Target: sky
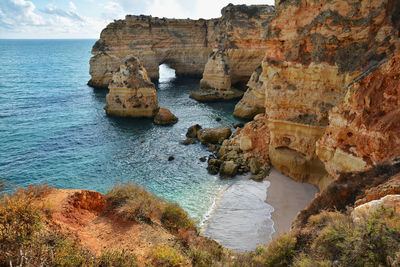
{"points": [[47, 19]]}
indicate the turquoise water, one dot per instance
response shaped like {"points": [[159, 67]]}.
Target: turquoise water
{"points": [[53, 128]]}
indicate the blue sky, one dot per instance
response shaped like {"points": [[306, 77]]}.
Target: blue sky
{"points": [[86, 18]]}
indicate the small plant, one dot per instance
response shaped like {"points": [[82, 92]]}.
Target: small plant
{"points": [[279, 253], [135, 203], [174, 217], [117, 258], [166, 256]]}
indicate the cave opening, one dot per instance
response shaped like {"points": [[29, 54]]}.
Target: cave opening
{"points": [[166, 73]]}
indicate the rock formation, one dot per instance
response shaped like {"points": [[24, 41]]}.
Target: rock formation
{"points": [[253, 100], [365, 128], [184, 44], [165, 117], [320, 55], [328, 79], [132, 94]]}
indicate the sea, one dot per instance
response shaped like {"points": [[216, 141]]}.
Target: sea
{"points": [[53, 128]]}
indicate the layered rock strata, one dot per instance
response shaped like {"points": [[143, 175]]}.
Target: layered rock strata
{"points": [[314, 51], [184, 44], [132, 94], [365, 128]]}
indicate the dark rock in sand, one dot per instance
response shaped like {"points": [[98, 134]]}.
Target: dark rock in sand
{"points": [[171, 158], [218, 119], [203, 159]]}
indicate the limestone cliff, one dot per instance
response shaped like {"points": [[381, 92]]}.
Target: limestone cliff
{"points": [[315, 50], [132, 94], [184, 44]]}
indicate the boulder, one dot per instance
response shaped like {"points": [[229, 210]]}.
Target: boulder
{"points": [[165, 117], [228, 169], [192, 131], [214, 135]]}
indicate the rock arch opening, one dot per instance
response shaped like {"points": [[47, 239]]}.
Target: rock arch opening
{"points": [[166, 73]]}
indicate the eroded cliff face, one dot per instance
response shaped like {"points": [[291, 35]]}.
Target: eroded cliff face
{"points": [[365, 128], [316, 49], [132, 94], [184, 44]]}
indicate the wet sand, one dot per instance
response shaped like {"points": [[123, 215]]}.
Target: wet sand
{"points": [[288, 198], [249, 214]]}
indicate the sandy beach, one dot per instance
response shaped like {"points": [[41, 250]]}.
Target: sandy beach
{"points": [[249, 214]]}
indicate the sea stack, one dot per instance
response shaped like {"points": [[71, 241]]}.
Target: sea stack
{"points": [[132, 94]]}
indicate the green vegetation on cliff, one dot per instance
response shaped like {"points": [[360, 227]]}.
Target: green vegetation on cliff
{"points": [[28, 237]]}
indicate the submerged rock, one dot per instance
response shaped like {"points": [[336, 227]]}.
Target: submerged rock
{"points": [[189, 141], [165, 117], [214, 135]]}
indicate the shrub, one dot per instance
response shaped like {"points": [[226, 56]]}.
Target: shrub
{"points": [[174, 217], [135, 202], [279, 253], [117, 258], [166, 256]]}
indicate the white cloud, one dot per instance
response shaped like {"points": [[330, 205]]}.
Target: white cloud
{"points": [[72, 6], [16, 13]]}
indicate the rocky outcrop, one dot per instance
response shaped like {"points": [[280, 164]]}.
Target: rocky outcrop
{"points": [[132, 94], [214, 135], [347, 188], [216, 82], [183, 44], [364, 129], [165, 117], [314, 51], [253, 100], [247, 150]]}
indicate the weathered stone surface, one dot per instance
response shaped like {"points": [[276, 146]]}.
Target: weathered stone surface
{"points": [[364, 129], [228, 169], [253, 100], [388, 202], [248, 148], [132, 94], [347, 188], [214, 135], [315, 51], [165, 117]]}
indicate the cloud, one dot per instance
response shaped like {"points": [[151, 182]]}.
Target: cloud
{"points": [[72, 5], [16, 13], [62, 13]]}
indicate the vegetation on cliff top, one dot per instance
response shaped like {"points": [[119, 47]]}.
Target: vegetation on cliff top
{"points": [[27, 237]]}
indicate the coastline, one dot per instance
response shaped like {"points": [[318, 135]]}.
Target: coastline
{"points": [[248, 214]]}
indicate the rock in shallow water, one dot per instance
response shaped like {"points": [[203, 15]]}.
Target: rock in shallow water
{"points": [[192, 131], [165, 117], [132, 94], [214, 135]]}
